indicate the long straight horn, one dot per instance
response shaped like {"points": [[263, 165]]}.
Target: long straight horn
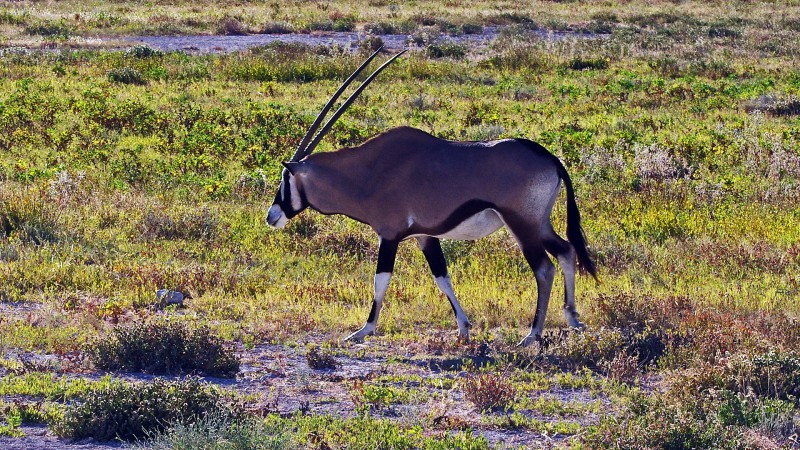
{"points": [[347, 103], [300, 152]]}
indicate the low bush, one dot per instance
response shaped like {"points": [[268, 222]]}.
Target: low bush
{"points": [[517, 53], [134, 411], [320, 358], [618, 353], [736, 408], [200, 225], [276, 28], [489, 392], [143, 52], [687, 417], [10, 18], [472, 28], [772, 374], [626, 311], [373, 397], [25, 412], [49, 29], [231, 26], [164, 347], [220, 432], [787, 107], [588, 63], [446, 49], [588, 349], [370, 43], [659, 422], [26, 217], [126, 75]]}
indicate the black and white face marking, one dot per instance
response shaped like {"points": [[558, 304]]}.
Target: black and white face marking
{"points": [[289, 201]]}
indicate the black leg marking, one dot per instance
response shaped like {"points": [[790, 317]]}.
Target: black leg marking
{"points": [[432, 249], [373, 312], [386, 257], [387, 252]]}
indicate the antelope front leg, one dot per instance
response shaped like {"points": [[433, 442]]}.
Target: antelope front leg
{"points": [[386, 256], [432, 249]]}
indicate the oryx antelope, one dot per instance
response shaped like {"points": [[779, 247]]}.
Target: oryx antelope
{"points": [[406, 183]]}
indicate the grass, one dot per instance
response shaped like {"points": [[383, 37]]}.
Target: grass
{"points": [[126, 172]]}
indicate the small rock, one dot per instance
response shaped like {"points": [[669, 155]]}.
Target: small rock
{"points": [[167, 297]]}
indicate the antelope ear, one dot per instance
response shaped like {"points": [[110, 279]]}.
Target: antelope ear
{"points": [[291, 166]]}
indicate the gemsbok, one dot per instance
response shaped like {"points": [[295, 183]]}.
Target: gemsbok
{"points": [[406, 183]]}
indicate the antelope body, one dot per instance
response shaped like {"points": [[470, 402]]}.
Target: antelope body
{"points": [[406, 183]]}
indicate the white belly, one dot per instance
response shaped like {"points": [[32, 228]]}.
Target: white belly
{"points": [[482, 224]]}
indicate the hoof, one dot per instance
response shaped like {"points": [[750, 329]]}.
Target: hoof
{"points": [[572, 319], [529, 339], [463, 332], [359, 335]]}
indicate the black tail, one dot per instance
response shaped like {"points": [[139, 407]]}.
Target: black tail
{"points": [[574, 230]]}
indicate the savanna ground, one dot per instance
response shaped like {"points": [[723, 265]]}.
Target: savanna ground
{"points": [[128, 171]]}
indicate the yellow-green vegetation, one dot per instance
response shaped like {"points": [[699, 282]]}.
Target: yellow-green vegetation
{"points": [[123, 172]]}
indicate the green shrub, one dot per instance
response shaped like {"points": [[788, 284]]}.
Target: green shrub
{"points": [[51, 29], [370, 433], [787, 107], [131, 411], [220, 432], [736, 408], [276, 28], [721, 30], [772, 374], [126, 75], [231, 26], [200, 225], [347, 23], [372, 397], [446, 49], [598, 63], [686, 418], [27, 218], [143, 52], [713, 69], [10, 18], [472, 28], [665, 423], [513, 53], [21, 412], [666, 66], [163, 347], [588, 348], [338, 23], [370, 43]]}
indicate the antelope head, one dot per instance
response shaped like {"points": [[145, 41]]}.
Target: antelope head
{"points": [[289, 200]]}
